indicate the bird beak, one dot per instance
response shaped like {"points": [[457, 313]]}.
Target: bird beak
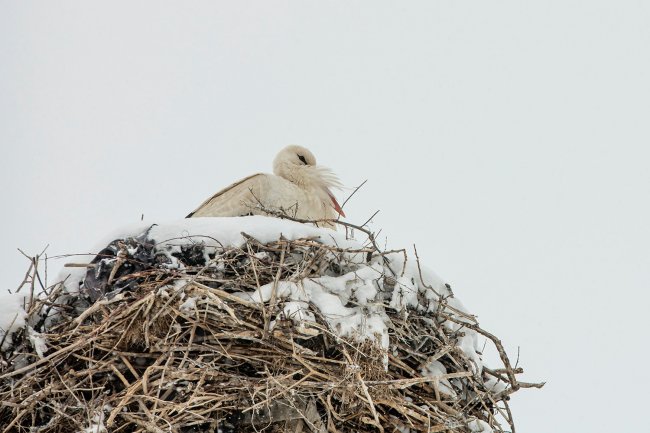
{"points": [[335, 204]]}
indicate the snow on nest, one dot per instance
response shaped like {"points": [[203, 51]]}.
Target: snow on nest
{"points": [[12, 315], [365, 321], [213, 232]]}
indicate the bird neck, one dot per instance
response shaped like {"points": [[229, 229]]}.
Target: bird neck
{"points": [[293, 173], [307, 177]]}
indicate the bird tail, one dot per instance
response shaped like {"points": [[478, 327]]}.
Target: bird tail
{"points": [[325, 179]]}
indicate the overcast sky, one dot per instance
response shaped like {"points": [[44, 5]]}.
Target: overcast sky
{"points": [[507, 139]]}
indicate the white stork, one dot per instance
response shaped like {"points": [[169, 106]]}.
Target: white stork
{"points": [[298, 187]]}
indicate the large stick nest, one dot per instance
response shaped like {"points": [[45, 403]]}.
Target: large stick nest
{"points": [[149, 347]]}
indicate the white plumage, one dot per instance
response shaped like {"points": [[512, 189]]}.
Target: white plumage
{"points": [[298, 188]]}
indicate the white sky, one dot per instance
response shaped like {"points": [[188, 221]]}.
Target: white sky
{"points": [[508, 140]]}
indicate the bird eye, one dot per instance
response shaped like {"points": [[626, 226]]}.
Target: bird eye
{"points": [[302, 158]]}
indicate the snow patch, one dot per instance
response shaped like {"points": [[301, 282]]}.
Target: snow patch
{"points": [[39, 342], [12, 315], [189, 304], [96, 424], [478, 426], [495, 385], [437, 370]]}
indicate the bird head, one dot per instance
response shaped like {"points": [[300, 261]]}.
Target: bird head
{"points": [[298, 165], [291, 160]]}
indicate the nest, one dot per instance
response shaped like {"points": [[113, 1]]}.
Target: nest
{"points": [[155, 341]]}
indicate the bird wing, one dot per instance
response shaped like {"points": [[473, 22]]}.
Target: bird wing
{"points": [[232, 200]]}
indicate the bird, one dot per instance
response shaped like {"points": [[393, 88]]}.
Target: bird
{"points": [[298, 188]]}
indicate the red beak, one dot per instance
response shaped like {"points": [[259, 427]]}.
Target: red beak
{"points": [[336, 205]]}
